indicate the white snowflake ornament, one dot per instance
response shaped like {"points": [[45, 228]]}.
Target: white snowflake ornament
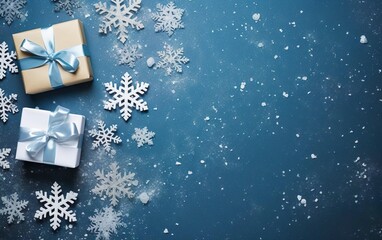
{"points": [[168, 18], [126, 96], [143, 136], [12, 9], [3, 154], [13, 208], [104, 136], [114, 185], [7, 105], [129, 55], [171, 59], [6, 60], [66, 5], [56, 206], [105, 222], [119, 16]]}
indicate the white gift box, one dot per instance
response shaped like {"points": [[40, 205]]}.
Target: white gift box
{"points": [[67, 154]]}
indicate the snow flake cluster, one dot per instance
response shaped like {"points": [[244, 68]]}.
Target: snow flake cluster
{"points": [[56, 205], [114, 184], [105, 222], [126, 96], [104, 136], [3, 154], [66, 5], [12, 9], [143, 136], [171, 59], [13, 208], [6, 60], [119, 16], [129, 55], [7, 105], [168, 18]]}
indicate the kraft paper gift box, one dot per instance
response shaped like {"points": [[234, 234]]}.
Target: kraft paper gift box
{"points": [[50, 137], [53, 57]]}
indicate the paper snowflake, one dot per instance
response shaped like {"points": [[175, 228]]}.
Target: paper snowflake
{"points": [[13, 208], [126, 96], [128, 55], [168, 18], [11, 9], [7, 105], [105, 222], [67, 5], [6, 60], [143, 136], [119, 16], [171, 59], [104, 136], [56, 205], [3, 154], [113, 184]]}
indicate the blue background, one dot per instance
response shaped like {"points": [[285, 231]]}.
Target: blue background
{"points": [[255, 166]]}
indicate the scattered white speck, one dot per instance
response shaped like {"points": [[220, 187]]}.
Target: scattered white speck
{"points": [[285, 94], [165, 231], [256, 17], [242, 86], [207, 118], [202, 161], [150, 62], [276, 56], [297, 135], [178, 163], [313, 156], [303, 202], [260, 45], [144, 198], [363, 39], [304, 78], [263, 104], [299, 197], [87, 15], [189, 172]]}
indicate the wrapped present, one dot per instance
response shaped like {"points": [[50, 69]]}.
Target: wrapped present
{"points": [[53, 57], [50, 137]]}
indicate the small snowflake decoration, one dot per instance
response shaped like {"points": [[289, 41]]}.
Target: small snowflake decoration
{"points": [[3, 154], [119, 16], [7, 105], [168, 18], [11, 9], [104, 136], [143, 136], [171, 60], [113, 184], [67, 5], [129, 55], [13, 208], [126, 96], [6, 60], [56, 205], [105, 222]]}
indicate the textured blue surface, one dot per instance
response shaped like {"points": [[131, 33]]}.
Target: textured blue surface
{"points": [[255, 166]]}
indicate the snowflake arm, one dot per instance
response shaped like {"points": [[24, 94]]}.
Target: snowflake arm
{"points": [[6, 60], [126, 96], [143, 136], [168, 18], [67, 5], [171, 59], [13, 208], [119, 16], [104, 136], [105, 222], [11, 9], [129, 55], [3, 154], [113, 184], [7, 105], [56, 205]]}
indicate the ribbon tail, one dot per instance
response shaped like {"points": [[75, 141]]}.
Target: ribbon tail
{"points": [[55, 76], [35, 147], [49, 154]]}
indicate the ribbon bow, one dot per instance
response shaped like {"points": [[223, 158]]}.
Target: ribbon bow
{"points": [[40, 56], [59, 131]]}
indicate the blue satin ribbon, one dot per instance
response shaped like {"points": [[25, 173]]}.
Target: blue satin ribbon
{"points": [[40, 56], [59, 131]]}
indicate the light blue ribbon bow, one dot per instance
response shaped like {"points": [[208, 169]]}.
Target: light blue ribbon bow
{"points": [[40, 56], [59, 131]]}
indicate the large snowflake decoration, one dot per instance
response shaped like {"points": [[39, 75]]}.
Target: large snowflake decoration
{"points": [[168, 18], [104, 136], [6, 60], [13, 208], [171, 59], [11, 9], [67, 5], [7, 105], [56, 205], [129, 55], [126, 96], [3, 154], [143, 136], [105, 222], [119, 16], [113, 184]]}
